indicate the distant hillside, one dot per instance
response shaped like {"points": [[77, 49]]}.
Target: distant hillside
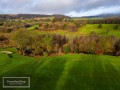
{"points": [[103, 16], [14, 16], [60, 16]]}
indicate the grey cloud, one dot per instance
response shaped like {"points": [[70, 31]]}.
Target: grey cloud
{"points": [[53, 6]]}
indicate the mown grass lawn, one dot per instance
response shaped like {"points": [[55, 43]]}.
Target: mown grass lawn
{"points": [[67, 72]]}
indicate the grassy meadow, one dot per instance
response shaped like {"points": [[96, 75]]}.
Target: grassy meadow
{"points": [[107, 29], [65, 72]]}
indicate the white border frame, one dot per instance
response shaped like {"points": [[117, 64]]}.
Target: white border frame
{"points": [[17, 86]]}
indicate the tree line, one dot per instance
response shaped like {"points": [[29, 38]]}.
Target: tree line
{"points": [[104, 21], [31, 44]]}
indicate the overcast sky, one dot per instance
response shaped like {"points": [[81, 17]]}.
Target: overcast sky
{"points": [[68, 7]]}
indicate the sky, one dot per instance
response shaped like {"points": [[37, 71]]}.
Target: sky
{"points": [[74, 8]]}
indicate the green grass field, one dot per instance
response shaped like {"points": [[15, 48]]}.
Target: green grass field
{"points": [[33, 27], [107, 29], [66, 72]]}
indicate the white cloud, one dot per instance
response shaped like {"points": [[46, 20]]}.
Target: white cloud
{"points": [[97, 11]]}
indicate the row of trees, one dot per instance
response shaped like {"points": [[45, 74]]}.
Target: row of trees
{"points": [[59, 26], [62, 25], [104, 21], [29, 43], [94, 44], [36, 45]]}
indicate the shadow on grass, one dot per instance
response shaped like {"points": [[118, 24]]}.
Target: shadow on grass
{"points": [[47, 75], [92, 73], [43, 73]]}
